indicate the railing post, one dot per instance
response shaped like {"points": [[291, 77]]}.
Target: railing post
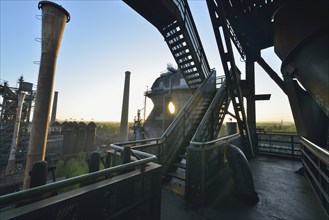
{"points": [[270, 142], [292, 146], [126, 155]]}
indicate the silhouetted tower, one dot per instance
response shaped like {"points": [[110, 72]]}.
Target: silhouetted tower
{"points": [[125, 108], [80, 138], [91, 137]]}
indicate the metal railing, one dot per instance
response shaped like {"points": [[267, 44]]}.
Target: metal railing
{"points": [[110, 179], [280, 144], [316, 163], [214, 116]]}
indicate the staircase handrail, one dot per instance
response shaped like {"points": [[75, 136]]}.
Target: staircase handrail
{"points": [[321, 153], [224, 139], [190, 103], [220, 95]]}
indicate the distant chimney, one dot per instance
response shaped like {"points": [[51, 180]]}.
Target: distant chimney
{"points": [[54, 109], [125, 107]]}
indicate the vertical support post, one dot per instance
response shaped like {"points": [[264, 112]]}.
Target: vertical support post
{"points": [[222, 34], [292, 146], [125, 108], [126, 155], [251, 101]]}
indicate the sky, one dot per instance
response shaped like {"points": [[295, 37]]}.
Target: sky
{"points": [[103, 40]]}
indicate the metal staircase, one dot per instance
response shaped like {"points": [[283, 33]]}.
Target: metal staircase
{"points": [[203, 114], [174, 20], [213, 119], [207, 129], [180, 132]]}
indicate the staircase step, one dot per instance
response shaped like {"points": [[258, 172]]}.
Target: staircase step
{"points": [[173, 43], [173, 35], [180, 165], [177, 175], [174, 188]]}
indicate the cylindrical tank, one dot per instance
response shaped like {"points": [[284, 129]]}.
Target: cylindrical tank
{"points": [[301, 42], [91, 137], [80, 137], [231, 128], [68, 131]]}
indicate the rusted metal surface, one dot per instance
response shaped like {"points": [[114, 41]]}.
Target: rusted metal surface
{"points": [[54, 18]]}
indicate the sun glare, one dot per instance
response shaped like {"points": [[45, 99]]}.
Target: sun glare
{"points": [[171, 107]]}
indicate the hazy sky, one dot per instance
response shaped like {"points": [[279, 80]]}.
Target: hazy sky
{"points": [[102, 41]]}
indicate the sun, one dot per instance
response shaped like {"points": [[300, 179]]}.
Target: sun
{"points": [[171, 107]]}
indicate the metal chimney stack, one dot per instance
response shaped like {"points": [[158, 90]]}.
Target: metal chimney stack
{"points": [[54, 18], [54, 110], [125, 107]]}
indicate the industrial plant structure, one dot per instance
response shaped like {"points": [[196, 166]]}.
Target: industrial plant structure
{"points": [[168, 90], [10, 104], [215, 173]]}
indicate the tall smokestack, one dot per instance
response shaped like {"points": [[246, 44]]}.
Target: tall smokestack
{"points": [[125, 107], [54, 18], [54, 110]]}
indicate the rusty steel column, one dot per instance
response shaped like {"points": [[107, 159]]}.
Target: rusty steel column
{"points": [[54, 109], [11, 165], [125, 108], [54, 18]]}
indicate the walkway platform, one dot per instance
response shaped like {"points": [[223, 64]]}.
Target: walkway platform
{"points": [[283, 194]]}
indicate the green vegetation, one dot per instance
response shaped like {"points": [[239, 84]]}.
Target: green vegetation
{"points": [[280, 127], [74, 167], [276, 127], [106, 128]]}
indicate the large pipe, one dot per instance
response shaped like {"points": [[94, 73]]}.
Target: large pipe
{"points": [[11, 165], [125, 108], [54, 109], [54, 18], [301, 42], [242, 177]]}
